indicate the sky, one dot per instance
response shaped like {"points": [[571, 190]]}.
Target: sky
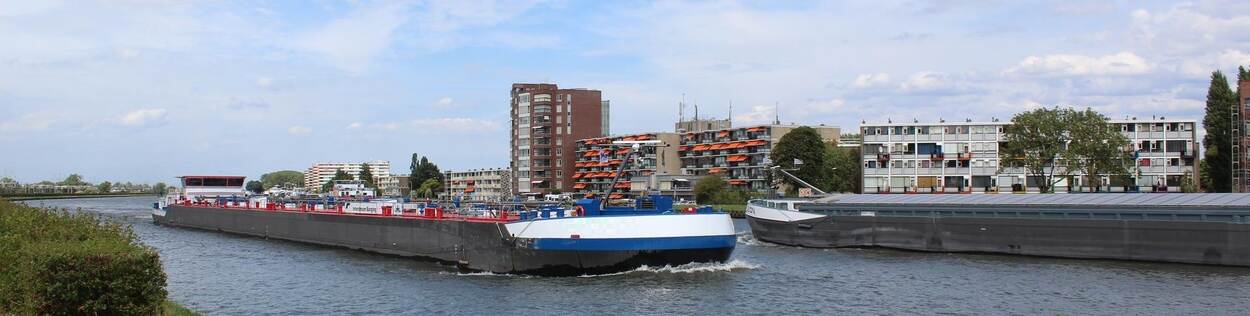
{"points": [[146, 90]]}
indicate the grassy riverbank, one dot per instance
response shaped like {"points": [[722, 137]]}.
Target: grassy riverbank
{"points": [[169, 308], [76, 263], [57, 196]]}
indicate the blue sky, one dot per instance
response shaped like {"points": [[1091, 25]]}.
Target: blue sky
{"points": [[144, 90]]}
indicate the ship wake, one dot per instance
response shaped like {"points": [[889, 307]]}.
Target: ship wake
{"points": [[689, 268]]}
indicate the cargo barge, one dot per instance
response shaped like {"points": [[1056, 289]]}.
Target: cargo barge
{"points": [[593, 237], [1199, 228]]}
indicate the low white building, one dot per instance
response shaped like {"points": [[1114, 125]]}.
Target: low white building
{"points": [[962, 157], [350, 189]]}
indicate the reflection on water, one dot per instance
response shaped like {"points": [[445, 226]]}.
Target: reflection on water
{"points": [[229, 274]]}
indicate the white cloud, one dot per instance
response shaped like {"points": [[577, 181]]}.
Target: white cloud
{"points": [[353, 125], [143, 117], [299, 130], [444, 102], [29, 122], [352, 42], [455, 125], [264, 82], [759, 114], [1125, 63], [869, 81]]}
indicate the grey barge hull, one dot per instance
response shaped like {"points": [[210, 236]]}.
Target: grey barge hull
{"points": [[472, 245], [1056, 226]]}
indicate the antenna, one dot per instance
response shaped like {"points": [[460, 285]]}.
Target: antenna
{"points": [[776, 113], [681, 108], [731, 108], [696, 109]]}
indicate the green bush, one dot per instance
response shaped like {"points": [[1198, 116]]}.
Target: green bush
{"points": [[59, 263]]}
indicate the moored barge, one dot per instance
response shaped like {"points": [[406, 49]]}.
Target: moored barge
{"points": [[1201, 228]]}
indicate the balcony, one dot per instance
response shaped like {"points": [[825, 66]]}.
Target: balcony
{"points": [[937, 156], [883, 157]]}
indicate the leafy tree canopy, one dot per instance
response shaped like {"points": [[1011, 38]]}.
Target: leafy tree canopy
{"points": [[802, 151], [73, 179], [1217, 163], [279, 178], [255, 186]]}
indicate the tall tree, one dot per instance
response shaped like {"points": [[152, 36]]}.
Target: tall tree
{"points": [[803, 151], [1035, 141], [73, 179], [278, 178], [160, 188], [414, 170], [422, 170], [1217, 166], [366, 175], [1096, 147], [845, 169], [105, 187], [338, 175], [255, 187], [708, 188]]}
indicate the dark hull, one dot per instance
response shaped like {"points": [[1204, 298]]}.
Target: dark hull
{"points": [[1213, 243], [482, 246]]}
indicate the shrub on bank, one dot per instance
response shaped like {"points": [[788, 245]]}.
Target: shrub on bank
{"points": [[58, 262]]}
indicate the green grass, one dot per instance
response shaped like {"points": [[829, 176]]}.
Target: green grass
{"points": [[169, 308]]}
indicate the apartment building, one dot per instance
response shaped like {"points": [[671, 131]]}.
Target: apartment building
{"points": [[739, 154], [321, 173], [546, 123], [599, 161], [962, 157], [487, 185], [394, 185], [1241, 138]]}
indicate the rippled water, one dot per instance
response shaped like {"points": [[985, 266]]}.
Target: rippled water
{"points": [[227, 274]]}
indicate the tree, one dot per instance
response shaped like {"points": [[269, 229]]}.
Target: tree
{"points": [[1096, 147], [1217, 167], [338, 175], [255, 187], [366, 175], [105, 187], [845, 169], [422, 170], [73, 179], [278, 178], [430, 188], [802, 149], [160, 188], [1035, 141], [708, 188]]}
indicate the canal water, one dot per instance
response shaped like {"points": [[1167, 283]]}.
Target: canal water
{"points": [[217, 273]]}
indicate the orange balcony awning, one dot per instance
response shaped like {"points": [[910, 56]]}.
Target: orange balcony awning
{"points": [[622, 151], [622, 185], [722, 134], [683, 148], [643, 137], [577, 175], [715, 170], [756, 129], [700, 147], [616, 196], [579, 186], [715, 147], [737, 158], [737, 181]]}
